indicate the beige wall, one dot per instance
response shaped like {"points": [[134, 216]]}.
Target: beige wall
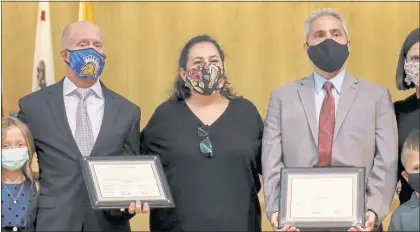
{"points": [[263, 42]]}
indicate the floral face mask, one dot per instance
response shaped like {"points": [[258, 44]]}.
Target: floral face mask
{"points": [[206, 79], [412, 71]]}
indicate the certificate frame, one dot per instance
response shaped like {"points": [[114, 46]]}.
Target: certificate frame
{"points": [[358, 191], [99, 201]]}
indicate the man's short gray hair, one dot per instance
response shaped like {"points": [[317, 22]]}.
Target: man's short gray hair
{"points": [[323, 12]]}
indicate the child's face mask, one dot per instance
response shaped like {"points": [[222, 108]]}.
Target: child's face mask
{"points": [[14, 159], [414, 181]]}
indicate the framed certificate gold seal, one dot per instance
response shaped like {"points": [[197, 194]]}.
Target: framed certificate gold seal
{"points": [[116, 181], [330, 198]]}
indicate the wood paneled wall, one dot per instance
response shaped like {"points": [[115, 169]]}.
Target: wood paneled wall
{"points": [[263, 42]]}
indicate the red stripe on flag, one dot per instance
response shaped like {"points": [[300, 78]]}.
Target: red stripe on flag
{"points": [[43, 15]]}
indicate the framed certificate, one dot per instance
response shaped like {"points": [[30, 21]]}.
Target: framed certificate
{"points": [[321, 198], [115, 182]]}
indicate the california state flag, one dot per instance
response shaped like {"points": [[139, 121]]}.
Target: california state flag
{"points": [[43, 73]]}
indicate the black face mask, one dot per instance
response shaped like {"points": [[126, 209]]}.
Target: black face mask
{"points": [[414, 181], [328, 55]]}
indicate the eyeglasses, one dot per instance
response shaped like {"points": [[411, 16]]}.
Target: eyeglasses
{"points": [[205, 145]]}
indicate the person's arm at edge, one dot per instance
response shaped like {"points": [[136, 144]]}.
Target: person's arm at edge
{"points": [[382, 178], [272, 155]]}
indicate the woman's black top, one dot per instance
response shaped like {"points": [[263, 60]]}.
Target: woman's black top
{"points": [[218, 193], [408, 117]]}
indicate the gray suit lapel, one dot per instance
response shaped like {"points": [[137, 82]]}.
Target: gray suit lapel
{"points": [[111, 110], [347, 95], [55, 101], [306, 91]]}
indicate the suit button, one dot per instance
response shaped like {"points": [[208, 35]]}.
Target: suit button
{"points": [[82, 199]]}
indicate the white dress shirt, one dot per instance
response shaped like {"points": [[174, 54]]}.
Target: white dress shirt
{"points": [[94, 105], [337, 82]]}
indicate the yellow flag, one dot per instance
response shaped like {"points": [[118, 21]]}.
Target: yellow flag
{"points": [[86, 11]]}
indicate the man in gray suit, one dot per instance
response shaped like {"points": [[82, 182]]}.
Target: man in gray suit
{"points": [[331, 118], [79, 116]]}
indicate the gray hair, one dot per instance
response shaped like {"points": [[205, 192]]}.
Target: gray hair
{"points": [[323, 12], [411, 144]]}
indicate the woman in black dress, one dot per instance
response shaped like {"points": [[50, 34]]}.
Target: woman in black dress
{"points": [[407, 110], [209, 142]]}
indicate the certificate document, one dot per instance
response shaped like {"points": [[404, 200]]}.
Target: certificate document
{"points": [[117, 181], [322, 197], [129, 180]]}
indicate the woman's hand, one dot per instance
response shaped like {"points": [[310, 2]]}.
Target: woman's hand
{"points": [[136, 208]]}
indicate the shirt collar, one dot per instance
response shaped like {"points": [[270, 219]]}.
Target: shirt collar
{"points": [[337, 81], [414, 200], [69, 87]]}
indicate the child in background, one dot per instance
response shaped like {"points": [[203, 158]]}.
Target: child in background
{"points": [[406, 216], [19, 187]]}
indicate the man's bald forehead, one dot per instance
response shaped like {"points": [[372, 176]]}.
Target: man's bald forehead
{"points": [[66, 35]]}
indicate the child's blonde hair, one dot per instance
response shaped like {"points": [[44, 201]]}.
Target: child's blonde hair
{"points": [[411, 144], [9, 122]]}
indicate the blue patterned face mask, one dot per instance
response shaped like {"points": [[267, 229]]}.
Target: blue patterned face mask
{"points": [[86, 63]]}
